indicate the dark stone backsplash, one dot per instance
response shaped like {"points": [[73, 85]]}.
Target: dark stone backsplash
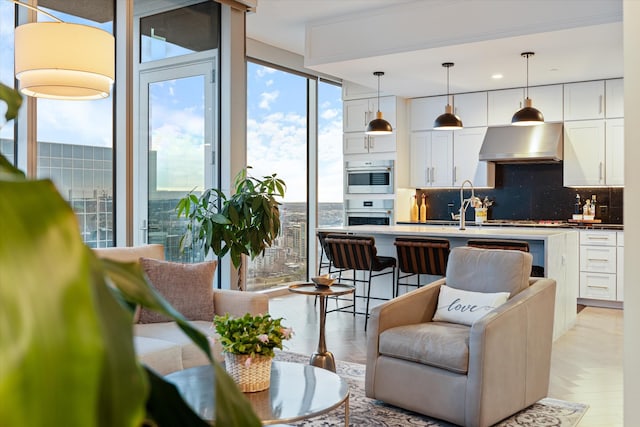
{"points": [[528, 192]]}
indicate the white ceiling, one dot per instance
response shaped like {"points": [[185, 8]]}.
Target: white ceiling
{"points": [[574, 40]]}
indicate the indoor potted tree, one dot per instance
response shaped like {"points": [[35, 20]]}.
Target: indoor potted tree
{"points": [[244, 224], [248, 343]]}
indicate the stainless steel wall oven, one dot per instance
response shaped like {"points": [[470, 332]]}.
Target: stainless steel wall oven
{"points": [[369, 212], [369, 177]]}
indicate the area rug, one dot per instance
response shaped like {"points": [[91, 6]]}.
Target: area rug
{"points": [[369, 412]]}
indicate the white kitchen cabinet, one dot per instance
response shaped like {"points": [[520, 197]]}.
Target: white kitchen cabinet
{"points": [[466, 148], [352, 90], [361, 143], [599, 265], [431, 159], [584, 100], [424, 111], [584, 153], [357, 113], [614, 152], [620, 266], [471, 108], [614, 104], [548, 100], [502, 105]]}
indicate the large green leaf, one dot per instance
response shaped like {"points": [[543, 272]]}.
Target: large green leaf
{"points": [[60, 363], [13, 99]]}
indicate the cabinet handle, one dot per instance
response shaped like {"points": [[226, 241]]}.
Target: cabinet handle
{"points": [[366, 143], [600, 172], [455, 174], [365, 118], [600, 104], [597, 238], [598, 259], [426, 175], [371, 143], [433, 175], [597, 287]]}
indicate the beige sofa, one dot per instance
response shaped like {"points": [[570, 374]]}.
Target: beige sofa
{"points": [[475, 375], [163, 346]]}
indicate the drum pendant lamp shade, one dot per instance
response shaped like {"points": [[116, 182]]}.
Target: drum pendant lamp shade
{"points": [[378, 126], [528, 115], [59, 60], [448, 120]]}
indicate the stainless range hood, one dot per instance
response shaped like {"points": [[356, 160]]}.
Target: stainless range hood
{"points": [[530, 144]]}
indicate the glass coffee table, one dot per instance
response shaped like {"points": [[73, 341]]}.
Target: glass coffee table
{"points": [[297, 392]]}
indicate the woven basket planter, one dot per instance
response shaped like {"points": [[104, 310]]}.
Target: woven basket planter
{"points": [[255, 376]]}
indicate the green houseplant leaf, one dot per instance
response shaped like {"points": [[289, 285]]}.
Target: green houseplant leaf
{"points": [[13, 99], [66, 332], [246, 223]]}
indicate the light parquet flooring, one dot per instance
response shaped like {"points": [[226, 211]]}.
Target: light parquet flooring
{"points": [[586, 363]]}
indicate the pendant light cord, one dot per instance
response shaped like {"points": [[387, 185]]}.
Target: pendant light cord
{"points": [[378, 92], [527, 94], [37, 10]]}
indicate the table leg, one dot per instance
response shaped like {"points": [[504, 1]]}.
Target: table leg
{"points": [[346, 411], [323, 358]]}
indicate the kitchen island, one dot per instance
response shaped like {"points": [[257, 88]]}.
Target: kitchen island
{"points": [[555, 249]]}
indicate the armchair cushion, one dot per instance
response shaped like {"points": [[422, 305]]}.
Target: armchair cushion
{"points": [[465, 307], [187, 287], [440, 344], [481, 270]]}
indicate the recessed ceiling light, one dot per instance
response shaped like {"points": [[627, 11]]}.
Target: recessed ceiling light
{"points": [[497, 76]]}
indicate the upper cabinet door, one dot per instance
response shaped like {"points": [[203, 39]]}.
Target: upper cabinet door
{"points": [[615, 98], [466, 147], [615, 152], [356, 114], [387, 108], [424, 112], [502, 105], [548, 99], [584, 153], [441, 158], [419, 173], [471, 108], [584, 101]]}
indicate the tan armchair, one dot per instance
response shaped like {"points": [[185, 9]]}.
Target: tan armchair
{"points": [[473, 375]]}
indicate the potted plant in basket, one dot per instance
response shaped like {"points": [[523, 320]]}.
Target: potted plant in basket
{"points": [[246, 223], [248, 343]]}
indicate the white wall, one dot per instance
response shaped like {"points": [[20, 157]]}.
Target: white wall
{"points": [[631, 210]]}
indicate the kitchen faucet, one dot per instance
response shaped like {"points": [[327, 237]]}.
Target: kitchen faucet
{"points": [[464, 204]]}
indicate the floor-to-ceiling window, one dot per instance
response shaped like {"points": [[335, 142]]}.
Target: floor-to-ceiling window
{"points": [[330, 163], [7, 19], [277, 143]]}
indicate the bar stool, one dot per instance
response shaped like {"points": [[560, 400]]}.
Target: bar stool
{"points": [[514, 245], [418, 256], [359, 253]]}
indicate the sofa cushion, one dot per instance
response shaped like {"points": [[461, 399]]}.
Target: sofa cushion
{"points": [[187, 287], [190, 355], [162, 356], [439, 344], [488, 270], [465, 307]]}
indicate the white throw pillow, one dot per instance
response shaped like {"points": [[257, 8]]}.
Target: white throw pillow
{"points": [[465, 307]]}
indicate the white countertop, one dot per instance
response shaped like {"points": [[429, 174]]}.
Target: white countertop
{"points": [[522, 233]]}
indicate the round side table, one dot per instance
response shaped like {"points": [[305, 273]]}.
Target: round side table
{"points": [[322, 358]]}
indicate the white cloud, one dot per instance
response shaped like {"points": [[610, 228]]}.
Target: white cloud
{"points": [[266, 98], [263, 71], [269, 83], [329, 114]]}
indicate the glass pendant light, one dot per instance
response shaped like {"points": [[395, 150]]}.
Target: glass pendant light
{"points": [[378, 126], [448, 120], [527, 116]]}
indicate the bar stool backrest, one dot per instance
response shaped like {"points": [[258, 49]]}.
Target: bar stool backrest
{"points": [[422, 255], [351, 252], [514, 245]]}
